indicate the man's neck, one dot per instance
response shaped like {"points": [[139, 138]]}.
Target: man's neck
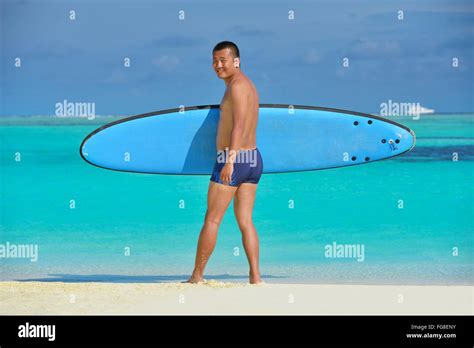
{"points": [[232, 78]]}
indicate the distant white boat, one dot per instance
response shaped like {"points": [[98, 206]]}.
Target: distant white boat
{"points": [[417, 109]]}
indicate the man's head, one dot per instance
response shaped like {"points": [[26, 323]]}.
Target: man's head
{"points": [[225, 59]]}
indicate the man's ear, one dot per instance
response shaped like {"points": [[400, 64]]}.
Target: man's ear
{"points": [[236, 62]]}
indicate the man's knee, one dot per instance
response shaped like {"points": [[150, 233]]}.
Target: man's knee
{"points": [[245, 223], [213, 220]]}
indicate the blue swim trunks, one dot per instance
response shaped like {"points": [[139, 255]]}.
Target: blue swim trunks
{"points": [[248, 167]]}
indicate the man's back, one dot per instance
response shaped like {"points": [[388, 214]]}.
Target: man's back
{"points": [[249, 107]]}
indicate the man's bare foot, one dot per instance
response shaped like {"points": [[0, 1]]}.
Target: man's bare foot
{"points": [[255, 278], [193, 280]]}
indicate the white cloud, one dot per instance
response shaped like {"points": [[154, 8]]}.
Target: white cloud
{"points": [[115, 77], [166, 63], [312, 56], [372, 48]]}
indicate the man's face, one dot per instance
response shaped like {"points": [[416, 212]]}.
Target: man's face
{"points": [[223, 63]]}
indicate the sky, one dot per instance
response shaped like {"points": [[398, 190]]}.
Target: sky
{"points": [[291, 61]]}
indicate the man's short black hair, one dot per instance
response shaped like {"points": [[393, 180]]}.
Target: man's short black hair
{"points": [[228, 44]]}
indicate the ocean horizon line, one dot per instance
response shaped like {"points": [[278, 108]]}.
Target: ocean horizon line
{"points": [[126, 115]]}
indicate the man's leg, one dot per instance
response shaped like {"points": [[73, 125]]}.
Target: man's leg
{"points": [[243, 207], [218, 199]]}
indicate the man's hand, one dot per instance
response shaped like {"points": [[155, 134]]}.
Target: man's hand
{"points": [[226, 173]]}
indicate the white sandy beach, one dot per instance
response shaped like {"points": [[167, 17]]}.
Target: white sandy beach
{"points": [[213, 297]]}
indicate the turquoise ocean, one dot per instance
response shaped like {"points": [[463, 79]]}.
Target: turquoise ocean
{"points": [[413, 214]]}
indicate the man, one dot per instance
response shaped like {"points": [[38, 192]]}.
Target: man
{"points": [[232, 177]]}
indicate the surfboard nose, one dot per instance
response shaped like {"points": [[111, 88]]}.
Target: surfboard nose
{"points": [[398, 141], [413, 139], [84, 152], [407, 140]]}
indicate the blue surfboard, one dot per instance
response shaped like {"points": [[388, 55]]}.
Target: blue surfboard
{"points": [[290, 138]]}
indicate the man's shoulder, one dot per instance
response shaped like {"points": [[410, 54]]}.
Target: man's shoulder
{"points": [[241, 85]]}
